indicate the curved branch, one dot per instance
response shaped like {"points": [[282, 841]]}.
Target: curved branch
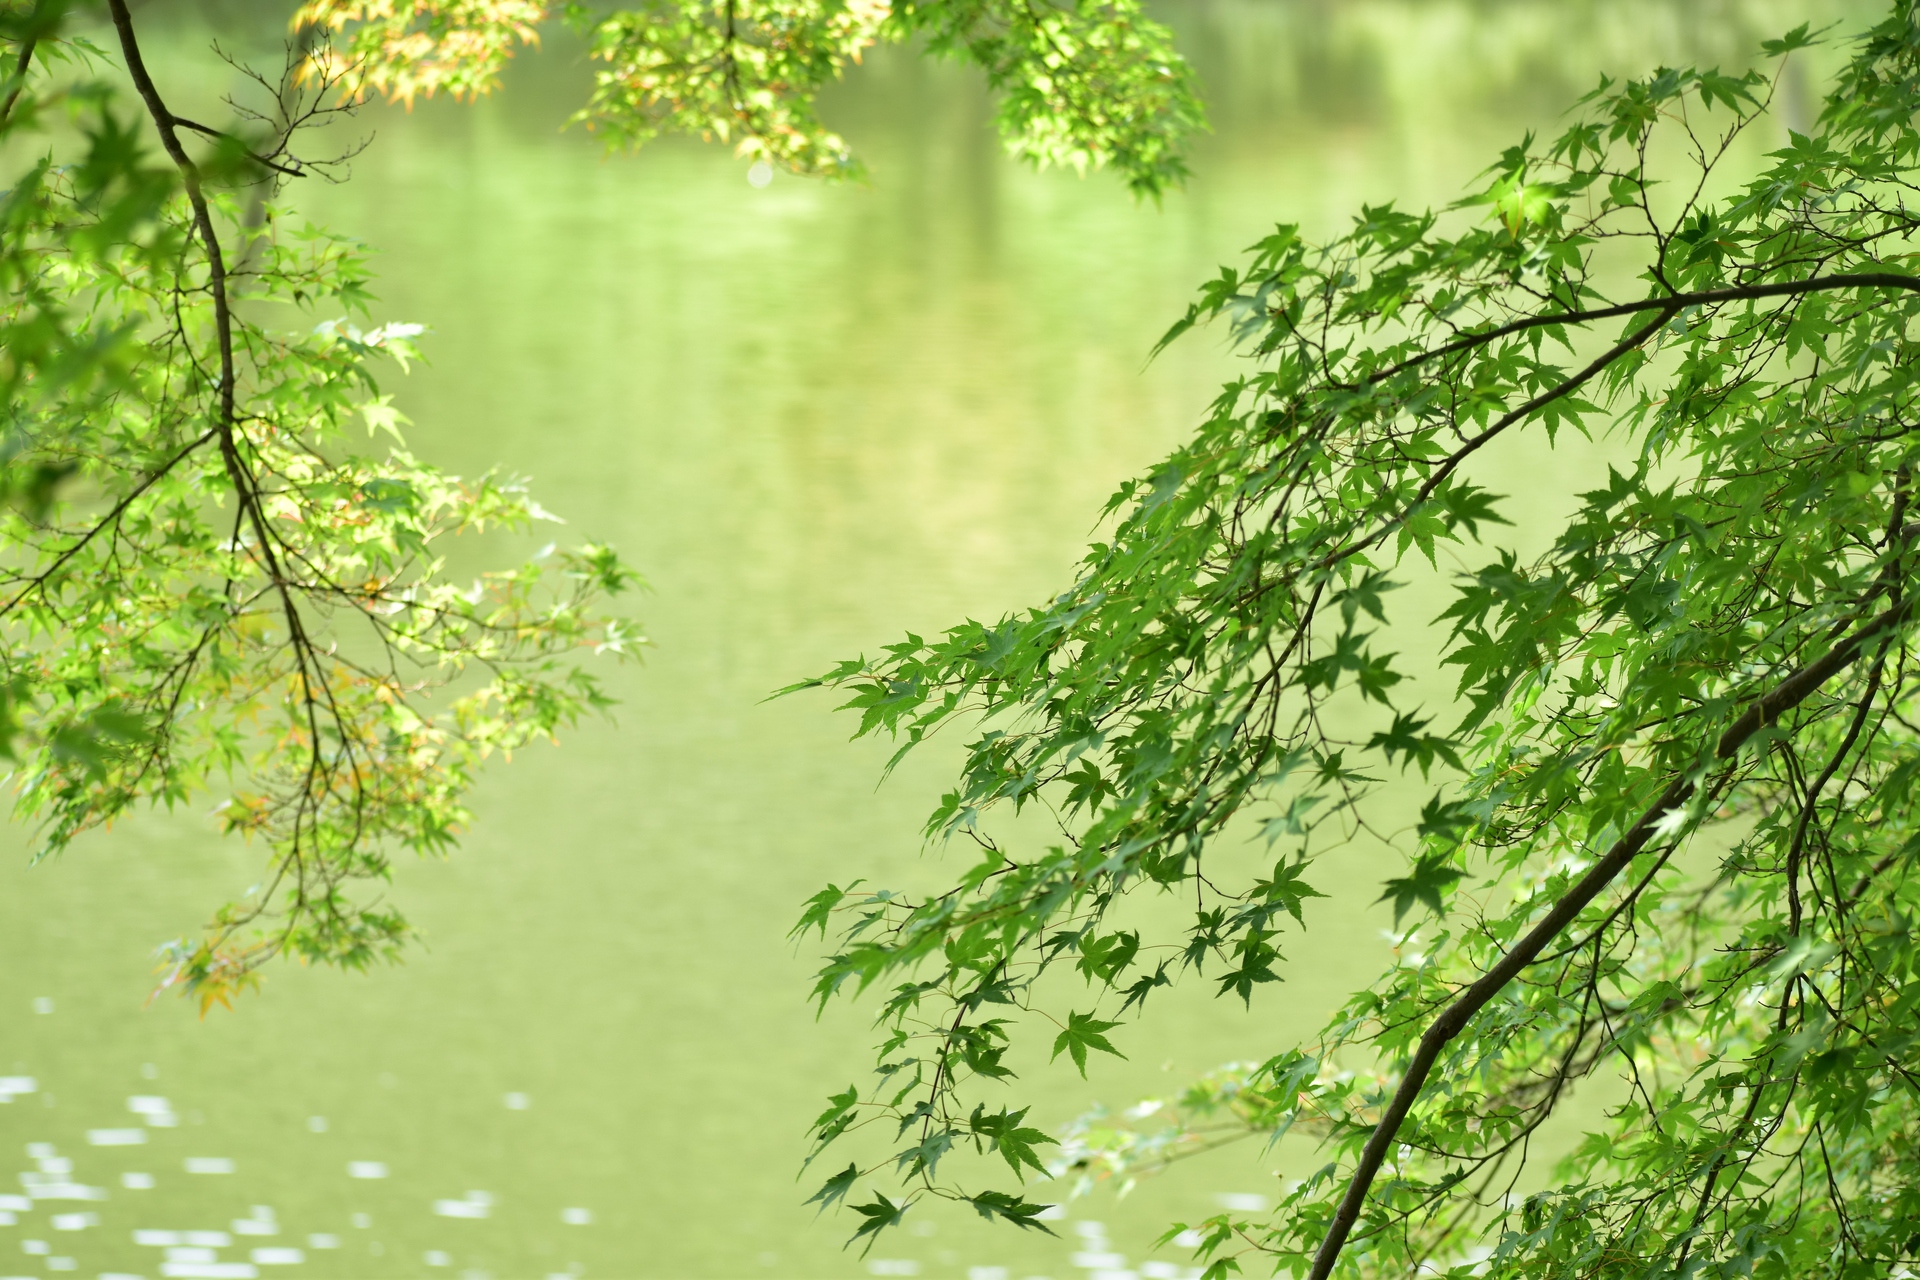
{"points": [[1677, 301], [1765, 711], [225, 427], [1667, 309]]}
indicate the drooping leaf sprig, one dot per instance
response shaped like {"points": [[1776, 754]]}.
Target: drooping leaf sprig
{"points": [[219, 565]]}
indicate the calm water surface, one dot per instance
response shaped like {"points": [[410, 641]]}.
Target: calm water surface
{"points": [[815, 418]]}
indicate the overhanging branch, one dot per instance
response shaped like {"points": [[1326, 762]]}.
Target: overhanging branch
{"points": [[1765, 711], [1675, 301]]}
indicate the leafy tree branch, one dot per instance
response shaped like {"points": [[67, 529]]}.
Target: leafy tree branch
{"points": [[1657, 818], [1665, 822], [1083, 83], [204, 579]]}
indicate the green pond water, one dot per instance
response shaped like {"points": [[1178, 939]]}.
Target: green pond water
{"points": [[815, 418]]}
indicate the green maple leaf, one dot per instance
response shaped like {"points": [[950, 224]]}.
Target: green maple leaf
{"points": [[836, 1188], [1021, 1213], [1431, 876], [879, 1215], [1104, 958], [1287, 889], [1083, 1032], [819, 912], [1138, 992], [1004, 1134], [1256, 966], [923, 1158]]}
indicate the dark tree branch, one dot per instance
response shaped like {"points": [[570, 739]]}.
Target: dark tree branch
{"points": [[1676, 301], [1668, 307], [291, 171], [1765, 711], [1559, 391], [313, 686], [20, 67]]}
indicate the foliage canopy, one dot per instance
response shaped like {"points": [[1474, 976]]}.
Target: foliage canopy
{"points": [[1667, 833], [1082, 83]]}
